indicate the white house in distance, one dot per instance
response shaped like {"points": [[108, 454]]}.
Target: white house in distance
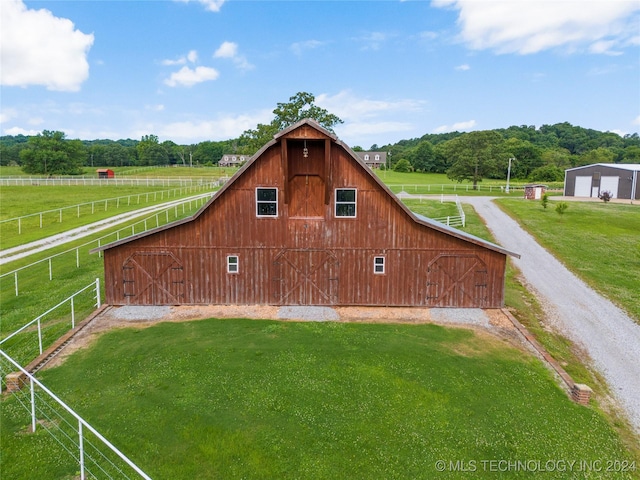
{"points": [[233, 160], [373, 159], [620, 179]]}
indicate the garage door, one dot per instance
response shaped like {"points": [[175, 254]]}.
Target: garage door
{"points": [[583, 187], [610, 184]]}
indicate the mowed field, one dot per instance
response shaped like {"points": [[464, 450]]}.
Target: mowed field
{"points": [[258, 399]]}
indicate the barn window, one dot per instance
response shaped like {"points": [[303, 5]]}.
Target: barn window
{"points": [[233, 264], [345, 202], [267, 202], [378, 265]]}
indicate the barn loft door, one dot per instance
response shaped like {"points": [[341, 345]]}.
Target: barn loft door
{"points": [[457, 281], [153, 279], [307, 196], [305, 277]]}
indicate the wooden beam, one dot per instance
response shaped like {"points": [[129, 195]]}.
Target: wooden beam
{"points": [[327, 170], [285, 169]]}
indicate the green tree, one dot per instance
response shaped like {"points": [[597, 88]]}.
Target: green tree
{"points": [[299, 107], [402, 165], [528, 158], [49, 153], [548, 173], [598, 155], [423, 158], [150, 152], [474, 155]]}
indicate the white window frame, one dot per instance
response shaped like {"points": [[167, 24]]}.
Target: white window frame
{"points": [[258, 202], [233, 267], [354, 203], [376, 264], [366, 157]]}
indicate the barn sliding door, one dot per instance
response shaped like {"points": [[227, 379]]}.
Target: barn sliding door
{"points": [[151, 278], [305, 277], [457, 281]]}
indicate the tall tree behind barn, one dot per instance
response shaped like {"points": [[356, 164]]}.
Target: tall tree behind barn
{"points": [[305, 222]]}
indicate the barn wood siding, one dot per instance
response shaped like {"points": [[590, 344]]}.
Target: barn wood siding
{"points": [[305, 255]]}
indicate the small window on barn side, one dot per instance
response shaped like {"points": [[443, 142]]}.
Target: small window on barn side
{"points": [[267, 202], [345, 202], [378, 265], [233, 264]]}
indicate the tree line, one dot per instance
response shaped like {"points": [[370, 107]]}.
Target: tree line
{"points": [[537, 154]]}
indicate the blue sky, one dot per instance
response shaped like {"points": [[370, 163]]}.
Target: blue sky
{"points": [[197, 70]]}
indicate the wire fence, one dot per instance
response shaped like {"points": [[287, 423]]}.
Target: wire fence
{"points": [[34, 337], [98, 182], [58, 215], [460, 188], [28, 277], [91, 453]]}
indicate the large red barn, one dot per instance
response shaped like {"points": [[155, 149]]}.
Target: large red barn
{"points": [[305, 222]]}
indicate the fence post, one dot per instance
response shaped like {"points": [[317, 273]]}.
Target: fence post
{"points": [[50, 270], [15, 275], [33, 407], [98, 301], [81, 447], [39, 336], [73, 315], [60, 215], [19, 226], [40, 220], [78, 211]]}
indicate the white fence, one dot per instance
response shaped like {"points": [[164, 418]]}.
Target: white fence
{"points": [[94, 181], [73, 255], [22, 343], [95, 456], [56, 215]]}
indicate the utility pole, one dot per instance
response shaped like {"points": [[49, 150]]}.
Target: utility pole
{"points": [[509, 174]]}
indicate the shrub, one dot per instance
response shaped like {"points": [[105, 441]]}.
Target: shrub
{"points": [[545, 200], [561, 207], [605, 196], [548, 173]]}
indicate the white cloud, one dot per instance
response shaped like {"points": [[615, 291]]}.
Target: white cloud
{"points": [[636, 121], [456, 127], [230, 50], [41, 49], [20, 131], [348, 106], [374, 40], [299, 48], [187, 77], [226, 50], [530, 26], [191, 57], [222, 128], [7, 114], [211, 5], [463, 68]]}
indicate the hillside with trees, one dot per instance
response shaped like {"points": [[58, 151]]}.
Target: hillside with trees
{"points": [[538, 154]]}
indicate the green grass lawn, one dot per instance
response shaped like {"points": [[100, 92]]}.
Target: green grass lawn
{"points": [[263, 399], [88, 205], [599, 242]]}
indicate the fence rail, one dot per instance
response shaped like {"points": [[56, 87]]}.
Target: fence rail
{"points": [[458, 188], [21, 342], [94, 181], [116, 202], [95, 456], [160, 218]]}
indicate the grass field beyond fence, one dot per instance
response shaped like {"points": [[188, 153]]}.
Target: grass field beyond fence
{"points": [[600, 242], [263, 399]]}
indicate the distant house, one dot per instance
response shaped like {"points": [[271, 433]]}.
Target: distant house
{"points": [[620, 179], [105, 173], [305, 222], [233, 160], [373, 159]]}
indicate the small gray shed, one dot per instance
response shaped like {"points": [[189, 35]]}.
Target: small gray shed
{"points": [[620, 179]]}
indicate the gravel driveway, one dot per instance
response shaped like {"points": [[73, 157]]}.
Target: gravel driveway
{"points": [[605, 332]]}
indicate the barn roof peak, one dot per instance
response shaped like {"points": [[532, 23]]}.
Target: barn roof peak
{"points": [[306, 121]]}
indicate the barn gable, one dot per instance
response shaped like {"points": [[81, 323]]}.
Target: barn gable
{"points": [[305, 222]]}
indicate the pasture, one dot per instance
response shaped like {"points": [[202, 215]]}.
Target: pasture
{"points": [[600, 242], [264, 399], [260, 399]]}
